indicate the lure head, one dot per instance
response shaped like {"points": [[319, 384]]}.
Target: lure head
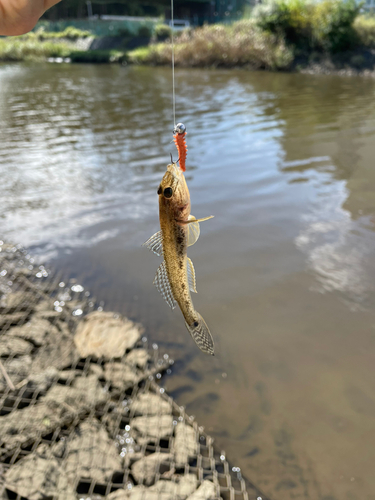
{"points": [[173, 193], [179, 129]]}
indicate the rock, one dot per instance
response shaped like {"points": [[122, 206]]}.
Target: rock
{"points": [[41, 382], [185, 443], [120, 375], [67, 376], [118, 495], [104, 334], [187, 485], [205, 491], [91, 454], [137, 493], [162, 490], [58, 351], [37, 331], [178, 491], [39, 476], [17, 318], [150, 404], [138, 357], [145, 469], [22, 426], [18, 370], [17, 301], [96, 370], [85, 392], [154, 426], [13, 346]]}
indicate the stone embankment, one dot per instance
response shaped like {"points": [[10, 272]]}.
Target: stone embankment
{"points": [[81, 414]]}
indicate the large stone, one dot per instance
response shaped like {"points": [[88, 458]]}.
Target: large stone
{"points": [[138, 493], [120, 375], [39, 476], [41, 382], [150, 404], [105, 334], [58, 351], [13, 346], [178, 491], [138, 357], [205, 491], [161, 490], [85, 393], [153, 426], [37, 331], [185, 443], [187, 485], [18, 369], [145, 469], [17, 301], [91, 454], [17, 318], [28, 424]]}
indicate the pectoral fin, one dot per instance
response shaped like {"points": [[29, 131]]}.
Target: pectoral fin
{"points": [[193, 231], [161, 282], [191, 276], [192, 219], [155, 243]]}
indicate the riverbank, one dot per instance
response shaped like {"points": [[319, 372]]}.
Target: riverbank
{"points": [[280, 36], [80, 410]]}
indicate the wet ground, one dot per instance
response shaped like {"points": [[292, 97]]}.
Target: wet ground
{"points": [[285, 271]]}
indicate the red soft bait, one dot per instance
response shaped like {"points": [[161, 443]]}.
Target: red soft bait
{"points": [[179, 134]]}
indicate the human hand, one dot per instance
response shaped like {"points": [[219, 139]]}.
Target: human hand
{"points": [[20, 16]]}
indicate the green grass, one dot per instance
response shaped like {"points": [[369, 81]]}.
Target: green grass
{"points": [[17, 49]]}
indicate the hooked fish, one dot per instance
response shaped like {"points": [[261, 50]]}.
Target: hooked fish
{"points": [[175, 277]]}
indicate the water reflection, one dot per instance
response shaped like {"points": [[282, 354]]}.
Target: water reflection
{"points": [[285, 270]]}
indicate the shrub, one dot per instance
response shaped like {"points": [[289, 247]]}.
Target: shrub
{"points": [[162, 32], [333, 24], [220, 46], [144, 31], [365, 30], [326, 25]]}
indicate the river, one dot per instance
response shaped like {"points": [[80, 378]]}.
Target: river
{"points": [[285, 271]]}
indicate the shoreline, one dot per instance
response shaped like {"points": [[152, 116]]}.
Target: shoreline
{"points": [[84, 414]]}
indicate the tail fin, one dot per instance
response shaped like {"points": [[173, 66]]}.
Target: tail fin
{"points": [[201, 335]]}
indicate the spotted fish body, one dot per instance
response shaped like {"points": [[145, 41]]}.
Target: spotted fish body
{"points": [[175, 278]]}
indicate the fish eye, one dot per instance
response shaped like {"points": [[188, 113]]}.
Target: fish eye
{"points": [[159, 190], [168, 192]]}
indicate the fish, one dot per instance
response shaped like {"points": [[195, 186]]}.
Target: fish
{"points": [[175, 277]]}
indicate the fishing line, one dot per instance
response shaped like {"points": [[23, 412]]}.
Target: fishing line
{"points": [[173, 86]]}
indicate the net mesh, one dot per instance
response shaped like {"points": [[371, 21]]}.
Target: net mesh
{"points": [[76, 426]]}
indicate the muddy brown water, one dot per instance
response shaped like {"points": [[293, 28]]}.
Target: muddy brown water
{"points": [[285, 271]]}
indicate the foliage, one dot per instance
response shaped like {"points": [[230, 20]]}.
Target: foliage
{"points": [[162, 32], [70, 33], [365, 30], [98, 27], [220, 46], [326, 25], [144, 31], [18, 49]]}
